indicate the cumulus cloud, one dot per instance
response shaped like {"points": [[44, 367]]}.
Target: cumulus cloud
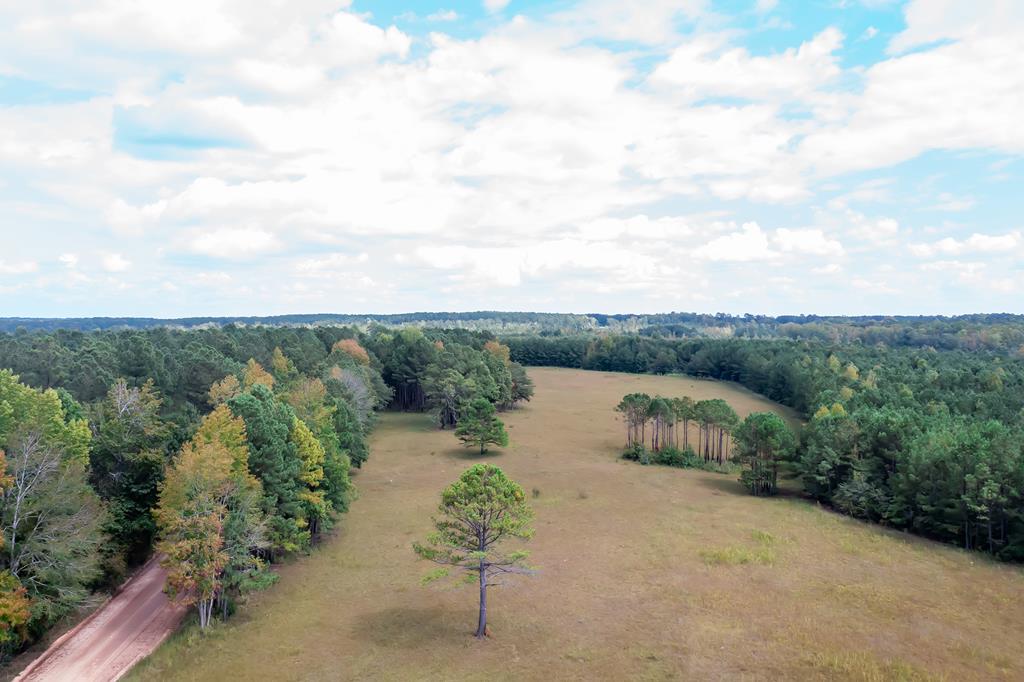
{"points": [[711, 66], [976, 243], [626, 144], [807, 241], [114, 262], [232, 243], [19, 268], [495, 5], [748, 244]]}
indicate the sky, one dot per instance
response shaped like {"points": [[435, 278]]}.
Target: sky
{"points": [[224, 157]]}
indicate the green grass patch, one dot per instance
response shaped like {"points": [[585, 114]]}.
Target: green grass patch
{"points": [[865, 667], [738, 556]]}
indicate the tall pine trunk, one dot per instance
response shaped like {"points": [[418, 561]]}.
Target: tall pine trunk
{"points": [[481, 628]]}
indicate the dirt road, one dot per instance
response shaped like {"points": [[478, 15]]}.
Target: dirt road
{"points": [[106, 645]]}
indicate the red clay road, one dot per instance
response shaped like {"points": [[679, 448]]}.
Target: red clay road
{"points": [[120, 634]]}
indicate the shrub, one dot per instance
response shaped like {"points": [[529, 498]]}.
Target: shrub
{"points": [[637, 453], [685, 459]]}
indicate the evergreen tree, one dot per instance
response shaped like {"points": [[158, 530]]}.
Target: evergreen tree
{"points": [[477, 513], [480, 426]]}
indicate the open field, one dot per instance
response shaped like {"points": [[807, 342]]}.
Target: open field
{"points": [[646, 573]]}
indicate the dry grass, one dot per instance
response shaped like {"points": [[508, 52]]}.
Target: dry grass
{"points": [[626, 588]]}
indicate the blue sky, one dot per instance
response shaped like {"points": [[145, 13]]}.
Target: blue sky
{"points": [[764, 156]]}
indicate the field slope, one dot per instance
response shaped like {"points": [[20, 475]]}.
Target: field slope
{"points": [[646, 573]]}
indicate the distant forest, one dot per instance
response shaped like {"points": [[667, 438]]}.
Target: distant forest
{"points": [[1002, 332]]}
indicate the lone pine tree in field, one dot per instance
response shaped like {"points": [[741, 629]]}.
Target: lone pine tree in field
{"points": [[480, 426], [477, 512]]}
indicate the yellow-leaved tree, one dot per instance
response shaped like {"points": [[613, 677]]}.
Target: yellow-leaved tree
{"points": [[211, 525]]}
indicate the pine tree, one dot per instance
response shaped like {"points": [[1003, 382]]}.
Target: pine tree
{"points": [[479, 426], [478, 511]]}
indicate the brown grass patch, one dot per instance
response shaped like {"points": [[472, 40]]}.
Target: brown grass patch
{"points": [[624, 591]]}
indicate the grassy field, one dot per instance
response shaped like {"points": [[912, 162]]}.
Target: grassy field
{"points": [[645, 573]]}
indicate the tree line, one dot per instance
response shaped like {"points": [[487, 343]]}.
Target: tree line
{"points": [[927, 440], [1003, 332]]}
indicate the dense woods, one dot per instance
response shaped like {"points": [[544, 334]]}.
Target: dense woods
{"points": [[225, 449], [920, 439]]}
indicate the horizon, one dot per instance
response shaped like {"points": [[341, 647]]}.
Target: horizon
{"points": [[592, 313], [856, 158]]}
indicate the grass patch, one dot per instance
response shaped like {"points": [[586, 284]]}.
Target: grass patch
{"points": [[862, 666], [738, 556]]}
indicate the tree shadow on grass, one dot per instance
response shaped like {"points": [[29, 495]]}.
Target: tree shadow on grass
{"points": [[723, 484], [473, 454], [411, 628]]}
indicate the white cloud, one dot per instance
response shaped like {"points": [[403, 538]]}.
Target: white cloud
{"points": [[114, 262], [70, 260], [234, 243], [749, 244], [952, 203], [808, 241], [765, 5], [294, 136], [330, 263], [872, 286], [709, 66], [875, 231], [20, 268], [507, 266], [128, 219], [976, 243], [915, 102], [443, 15], [495, 5]]}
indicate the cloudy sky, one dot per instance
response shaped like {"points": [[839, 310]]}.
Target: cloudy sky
{"points": [[770, 156]]}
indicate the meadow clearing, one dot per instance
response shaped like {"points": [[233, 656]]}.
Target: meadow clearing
{"points": [[645, 573]]}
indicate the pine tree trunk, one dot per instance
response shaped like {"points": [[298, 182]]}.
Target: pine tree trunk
{"points": [[481, 628]]}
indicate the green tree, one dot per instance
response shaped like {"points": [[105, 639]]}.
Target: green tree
{"points": [[764, 439], [634, 408], [127, 464], [480, 426], [274, 460], [477, 513], [50, 518]]}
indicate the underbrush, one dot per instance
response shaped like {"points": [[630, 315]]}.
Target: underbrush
{"points": [[673, 457]]}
